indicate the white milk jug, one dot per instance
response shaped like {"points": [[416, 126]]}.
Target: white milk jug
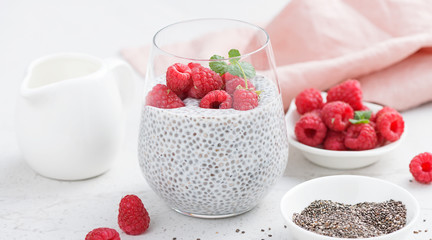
{"points": [[70, 114]]}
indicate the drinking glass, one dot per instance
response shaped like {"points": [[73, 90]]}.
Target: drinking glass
{"points": [[213, 163]]}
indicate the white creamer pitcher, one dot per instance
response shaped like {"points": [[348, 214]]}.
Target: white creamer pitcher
{"points": [[70, 114]]}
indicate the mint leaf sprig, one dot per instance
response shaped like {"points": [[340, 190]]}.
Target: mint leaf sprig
{"points": [[361, 117], [236, 67]]}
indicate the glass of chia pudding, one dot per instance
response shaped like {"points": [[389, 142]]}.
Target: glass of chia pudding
{"points": [[212, 134]]}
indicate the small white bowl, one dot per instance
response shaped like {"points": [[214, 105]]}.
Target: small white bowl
{"points": [[338, 159], [347, 189]]}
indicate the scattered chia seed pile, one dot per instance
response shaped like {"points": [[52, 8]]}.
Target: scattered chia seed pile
{"points": [[361, 220]]}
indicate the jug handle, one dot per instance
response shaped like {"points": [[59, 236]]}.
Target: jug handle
{"points": [[124, 78]]}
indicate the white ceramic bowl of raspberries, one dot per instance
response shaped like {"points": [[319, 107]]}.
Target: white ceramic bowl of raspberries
{"points": [[338, 130]]}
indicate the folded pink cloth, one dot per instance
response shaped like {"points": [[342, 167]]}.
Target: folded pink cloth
{"points": [[387, 45]]}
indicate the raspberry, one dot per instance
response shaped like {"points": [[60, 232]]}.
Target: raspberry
{"points": [[232, 84], [336, 115], [310, 130], [335, 141], [391, 125], [349, 92], [308, 100], [384, 110], [380, 139], [178, 79], [162, 97], [227, 76], [217, 99], [204, 81], [421, 167], [372, 117], [103, 234], [193, 65], [182, 95], [360, 137], [245, 99], [318, 112], [133, 218]]}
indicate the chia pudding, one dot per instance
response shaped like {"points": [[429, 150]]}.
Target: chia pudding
{"points": [[214, 162]]}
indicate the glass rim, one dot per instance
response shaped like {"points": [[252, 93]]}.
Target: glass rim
{"points": [[264, 45]]}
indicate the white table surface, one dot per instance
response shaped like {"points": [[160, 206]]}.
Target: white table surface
{"points": [[34, 207]]}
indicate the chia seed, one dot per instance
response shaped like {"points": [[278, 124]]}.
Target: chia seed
{"points": [[361, 220]]}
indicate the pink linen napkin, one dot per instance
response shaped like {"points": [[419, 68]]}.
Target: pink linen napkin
{"points": [[386, 45]]}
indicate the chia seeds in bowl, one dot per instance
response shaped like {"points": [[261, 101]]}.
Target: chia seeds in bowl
{"points": [[360, 208], [211, 162], [361, 220]]}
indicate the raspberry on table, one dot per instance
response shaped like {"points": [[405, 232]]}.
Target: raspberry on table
{"points": [[349, 92], [310, 130], [103, 234], [390, 124], [335, 141], [133, 218], [216, 99], [245, 99], [336, 115], [162, 97], [204, 80], [421, 167], [360, 137], [308, 100], [178, 79], [232, 84]]}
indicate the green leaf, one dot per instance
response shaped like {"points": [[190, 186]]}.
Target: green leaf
{"points": [[359, 121], [234, 55], [362, 115], [216, 57], [248, 69], [218, 66], [241, 69], [235, 70]]}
